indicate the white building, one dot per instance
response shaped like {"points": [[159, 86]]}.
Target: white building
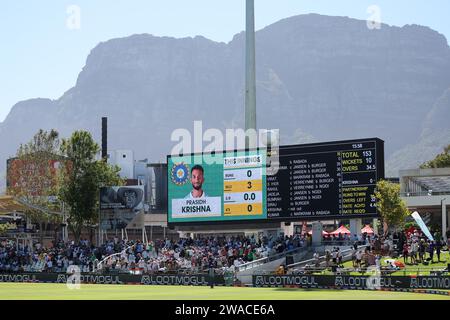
{"points": [[125, 160], [427, 191]]}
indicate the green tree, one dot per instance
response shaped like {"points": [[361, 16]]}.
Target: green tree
{"points": [[442, 160], [390, 205], [81, 179], [33, 177]]}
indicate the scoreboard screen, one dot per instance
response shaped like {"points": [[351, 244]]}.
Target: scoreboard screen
{"points": [[326, 180], [333, 180], [221, 187]]}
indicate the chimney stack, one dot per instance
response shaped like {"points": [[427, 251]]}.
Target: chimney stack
{"points": [[105, 139]]}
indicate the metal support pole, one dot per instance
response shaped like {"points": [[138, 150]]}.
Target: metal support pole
{"points": [[444, 219], [250, 74], [375, 225], [64, 231], [355, 227], [100, 235], [317, 236]]}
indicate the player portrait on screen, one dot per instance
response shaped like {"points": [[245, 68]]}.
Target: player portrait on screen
{"points": [[197, 180]]}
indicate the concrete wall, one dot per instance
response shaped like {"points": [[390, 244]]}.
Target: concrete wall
{"points": [[425, 201]]}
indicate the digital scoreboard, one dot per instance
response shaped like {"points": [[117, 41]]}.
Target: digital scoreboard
{"points": [[227, 186], [327, 180], [243, 186], [332, 180]]}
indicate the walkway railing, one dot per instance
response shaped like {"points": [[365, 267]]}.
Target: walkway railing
{"points": [[99, 265], [424, 193], [345, 255], [255, 263]]}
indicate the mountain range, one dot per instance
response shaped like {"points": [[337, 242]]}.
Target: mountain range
{"points": [[319, 78]]}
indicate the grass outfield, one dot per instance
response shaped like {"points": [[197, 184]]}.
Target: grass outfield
{"points": [[44, 291]]}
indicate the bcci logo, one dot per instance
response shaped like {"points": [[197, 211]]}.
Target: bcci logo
{"points": [[180, 174]]}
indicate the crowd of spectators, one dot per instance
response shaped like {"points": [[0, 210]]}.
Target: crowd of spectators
{"points": [[201, 254], [415, 248], [119, 256], [366, 251]]}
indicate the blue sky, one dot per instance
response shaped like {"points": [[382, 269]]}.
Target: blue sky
{"points": [[41, 56]]}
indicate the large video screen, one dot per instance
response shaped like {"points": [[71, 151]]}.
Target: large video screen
{"points": [[333, 180], [119, 205], [217, 187]]}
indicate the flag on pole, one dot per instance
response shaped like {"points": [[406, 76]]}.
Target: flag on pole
{"points": [[422, 225]]}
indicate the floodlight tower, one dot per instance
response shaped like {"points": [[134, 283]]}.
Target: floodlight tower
{"points": [[250, 72]]}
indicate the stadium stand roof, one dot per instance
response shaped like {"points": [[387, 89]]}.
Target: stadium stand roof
{"points": [[9, 204], [438, 184], [426, 181]]}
